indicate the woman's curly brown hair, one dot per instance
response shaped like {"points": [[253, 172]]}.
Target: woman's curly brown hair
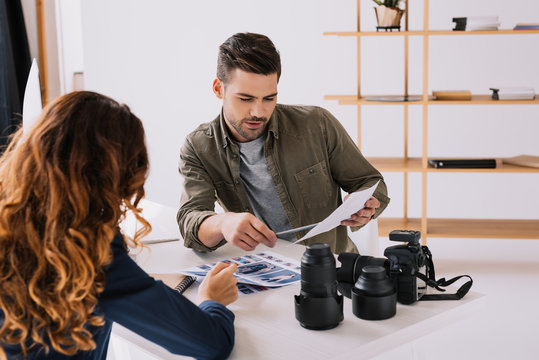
{"points": [[64, 187]]}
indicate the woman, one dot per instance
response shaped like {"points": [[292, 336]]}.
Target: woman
{"points": [[65, 275]]}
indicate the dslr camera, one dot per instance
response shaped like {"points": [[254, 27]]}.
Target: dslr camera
{"points": [[405, 264]]}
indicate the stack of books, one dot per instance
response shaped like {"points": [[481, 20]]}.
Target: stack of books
{"points": [[476, 23], [513, 93], [526, 26]]}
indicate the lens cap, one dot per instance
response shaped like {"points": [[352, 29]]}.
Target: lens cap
{"points": [[374, 296]]}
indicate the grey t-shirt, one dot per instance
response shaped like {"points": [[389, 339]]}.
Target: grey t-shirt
{"points": [[260, 187]]}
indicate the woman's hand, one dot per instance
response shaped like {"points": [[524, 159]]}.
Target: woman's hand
{"points": [[219, 285]]}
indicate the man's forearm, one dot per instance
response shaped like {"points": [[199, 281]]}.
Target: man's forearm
{"points": [[209, 232]]}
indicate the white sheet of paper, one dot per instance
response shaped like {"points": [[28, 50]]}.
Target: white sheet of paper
{"points": [[162, 218], [32, 106], [355, 202]]}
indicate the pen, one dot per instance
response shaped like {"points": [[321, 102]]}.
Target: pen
{"points": [[307, 227], [157, 241]]}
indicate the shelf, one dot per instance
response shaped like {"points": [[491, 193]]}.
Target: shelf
{"points": [[449, 228], [396, 164], [373, 33], [399, 164], [483, 100], [482, 32], [430, 32], [479, 228], [464, 228], [476, 100], [355, 100], [500, 168], [386, 225]]}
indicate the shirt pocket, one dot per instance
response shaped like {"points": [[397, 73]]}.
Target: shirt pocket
{"points": [[314, 185], [227, 196]]}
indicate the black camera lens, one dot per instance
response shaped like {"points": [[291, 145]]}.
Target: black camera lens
{"points": [[318, 274], [374, 296], [346, 273], [318, 306], [351, 266]]}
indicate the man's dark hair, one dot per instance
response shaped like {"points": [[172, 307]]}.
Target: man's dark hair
{"points": [[249, 52]]}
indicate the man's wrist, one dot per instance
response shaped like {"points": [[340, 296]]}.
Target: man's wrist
{"points": [[210, 232]]}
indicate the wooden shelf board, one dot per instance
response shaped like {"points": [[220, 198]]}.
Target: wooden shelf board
{"points": [[482, 32], [465, 228], [355, 100], [476, 100], [483, 100], [341, 97], [341, 33], [430, 32], [479, 228], [399, 164], [500, 168], [386, 225], [373, 33], [396, 164]]}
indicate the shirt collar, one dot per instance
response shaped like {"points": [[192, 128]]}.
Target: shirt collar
{"points": [[227, 138], [273, 126]]}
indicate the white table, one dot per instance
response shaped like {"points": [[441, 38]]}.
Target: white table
{"points": [[266, 327]]}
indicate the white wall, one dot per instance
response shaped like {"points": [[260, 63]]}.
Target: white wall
{"points": [[70, 53], [159, 57], [30, 20], [52, 54]]}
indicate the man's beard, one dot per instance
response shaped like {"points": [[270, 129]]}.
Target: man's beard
{"points": [[250, 134]]}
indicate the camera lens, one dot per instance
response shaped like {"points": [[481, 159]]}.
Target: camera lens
{"points": [[318, 306], [374, 296], [351, 266], [346, 273], [318, 274]]}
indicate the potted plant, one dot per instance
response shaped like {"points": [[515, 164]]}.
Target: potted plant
{"points": [[388, 14]]}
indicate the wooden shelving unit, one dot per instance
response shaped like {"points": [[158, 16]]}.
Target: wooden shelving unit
{"points": [[435, 227]]}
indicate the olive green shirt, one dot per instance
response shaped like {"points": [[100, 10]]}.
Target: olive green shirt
{"points": [[310, 157]]}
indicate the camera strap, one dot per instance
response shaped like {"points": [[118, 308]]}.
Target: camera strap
{"points": [[438, 284]]}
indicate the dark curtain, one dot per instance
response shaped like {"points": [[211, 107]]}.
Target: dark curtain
{"points": [[15, 65]]}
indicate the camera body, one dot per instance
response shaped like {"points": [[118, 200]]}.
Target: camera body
{"points": [[402, 263]]}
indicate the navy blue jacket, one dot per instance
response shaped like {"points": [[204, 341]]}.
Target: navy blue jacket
{"points": [[151, 309]]}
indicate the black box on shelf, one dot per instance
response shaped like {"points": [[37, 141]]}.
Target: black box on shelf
{"points": [[463, 163]]}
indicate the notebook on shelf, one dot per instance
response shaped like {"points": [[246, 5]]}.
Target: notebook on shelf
{"points": [[452, 95], [463, 163]]}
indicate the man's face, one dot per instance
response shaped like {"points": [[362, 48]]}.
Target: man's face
{"points": [[248, 102]]}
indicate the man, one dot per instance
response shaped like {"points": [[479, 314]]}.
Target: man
{"points": [[271, 167]]}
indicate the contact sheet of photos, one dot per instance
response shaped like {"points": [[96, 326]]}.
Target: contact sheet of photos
{"points": [[257, 272]]}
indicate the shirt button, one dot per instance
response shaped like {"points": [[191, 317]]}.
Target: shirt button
{"points": [[235, 156], [311, 171], [237, 181], [247, 209]]}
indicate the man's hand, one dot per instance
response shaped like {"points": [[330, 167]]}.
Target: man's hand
{"points": [[364, 215], [219, 285], [245, 231]]}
